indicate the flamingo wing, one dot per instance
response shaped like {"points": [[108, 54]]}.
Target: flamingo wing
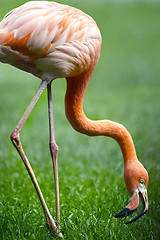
{"points": [[59, 40]]}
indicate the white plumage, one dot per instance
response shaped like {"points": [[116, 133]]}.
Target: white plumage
{"points": [[59, 40]]}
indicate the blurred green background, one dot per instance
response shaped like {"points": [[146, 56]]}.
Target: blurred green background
{"points": [[125, 87]]}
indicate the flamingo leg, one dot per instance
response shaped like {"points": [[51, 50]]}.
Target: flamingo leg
{"points": [[54, 152], [15, 138]]}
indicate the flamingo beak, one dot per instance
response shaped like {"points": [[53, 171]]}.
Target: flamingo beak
{"points": [[134, 202]]}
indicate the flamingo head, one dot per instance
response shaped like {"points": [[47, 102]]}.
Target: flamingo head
{"points": [[136, 180]]}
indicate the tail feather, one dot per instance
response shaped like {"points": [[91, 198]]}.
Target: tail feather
{"points": [[16, 59]]}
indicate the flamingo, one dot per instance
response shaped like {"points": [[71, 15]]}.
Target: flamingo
{"points": [[51, 41]]}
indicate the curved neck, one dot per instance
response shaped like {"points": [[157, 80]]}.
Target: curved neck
{"points": [[76, 87]]}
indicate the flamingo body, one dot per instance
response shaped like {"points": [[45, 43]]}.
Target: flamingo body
{"points": [[49, 40]]}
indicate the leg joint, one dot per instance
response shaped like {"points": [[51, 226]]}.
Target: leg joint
{"points": [[53, 146], [15, 138], [54, 149]]}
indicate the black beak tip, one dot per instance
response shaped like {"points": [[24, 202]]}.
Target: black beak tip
{"points": [[125, 212], [137, 217]]}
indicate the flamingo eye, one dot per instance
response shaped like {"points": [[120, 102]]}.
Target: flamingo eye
{"points": [[142, 181]]}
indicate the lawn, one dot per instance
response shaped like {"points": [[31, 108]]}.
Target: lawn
{"points": [[125, 87]]}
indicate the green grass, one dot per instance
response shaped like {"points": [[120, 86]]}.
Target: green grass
{"points": [[125, 88]]}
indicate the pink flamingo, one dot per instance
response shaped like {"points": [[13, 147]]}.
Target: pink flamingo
{"points": [[52, 41]]}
